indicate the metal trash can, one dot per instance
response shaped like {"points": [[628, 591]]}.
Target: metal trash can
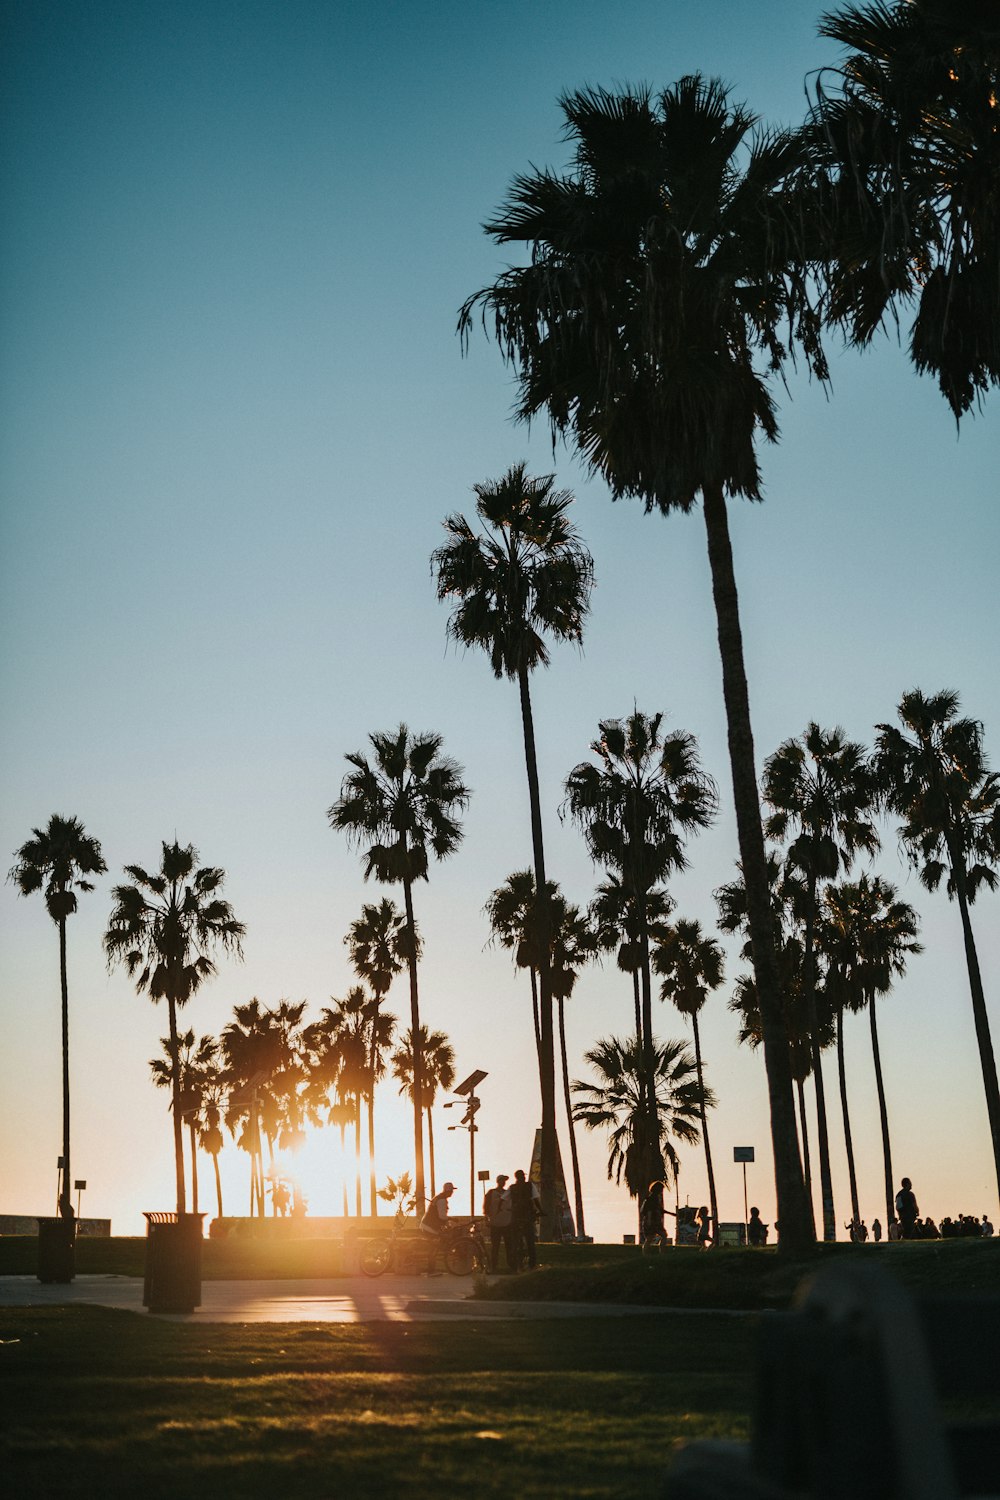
{"points": [[172, 1279], [56, 1250]]}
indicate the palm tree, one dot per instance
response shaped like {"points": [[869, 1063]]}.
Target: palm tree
{"points": [[56, 860], [821, 794], [347, 1024], [617, 1102], [400, 808], [637, 807], [869, 935], [613, 915], [787, 905], [166, 928], [573, 944], [524, 576], [377, 942], [691, 965], [192, 1063], [438, 1062], [212, 1095], [263, 1052], [512, 915], [905, 134], [935, 777], [656, 278]]}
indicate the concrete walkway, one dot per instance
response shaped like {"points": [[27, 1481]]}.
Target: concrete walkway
{"points": [[356, 1299]]}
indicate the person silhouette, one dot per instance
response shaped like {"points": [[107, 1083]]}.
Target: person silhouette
{"points": [[907, 1210]]}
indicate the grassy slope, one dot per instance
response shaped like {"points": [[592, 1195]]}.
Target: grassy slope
{"points": [[97, 1401]]}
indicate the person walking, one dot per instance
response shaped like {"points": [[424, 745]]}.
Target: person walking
{"points": [[524, 1217], [907, 1210], [877, 1231], [496, 1206]]}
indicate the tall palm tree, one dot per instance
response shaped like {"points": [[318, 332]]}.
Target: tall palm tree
{"points": [[57, 860], [377, 942], [574, 943], [821, 793], [438, 1061], [663, 287], [617, 1102], [401, 807], [905, 134], [936, 779], [212, 1094], [348, 1023], [263, 1053], [637, 807], [869, 935], [524, 576], [512, 915], [616, 928], [691, 965], [166, 928], [787, 890], [193, 1061]]}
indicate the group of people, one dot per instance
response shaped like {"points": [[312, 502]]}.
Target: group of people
{"points": [[511, 1213], [909, 1225], [694, 1226]]}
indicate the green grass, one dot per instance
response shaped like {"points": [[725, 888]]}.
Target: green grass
{"points": [[97, 1401]]}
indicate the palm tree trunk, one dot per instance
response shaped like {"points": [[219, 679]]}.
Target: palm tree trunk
{"points": [[654, 1168], [357, 1157], [534, 1013], [194, 1165], [175, 1094], [848, 1142], [430, 1148], [822, 1129], [218, 1181], [372, 1063], [418, 1056], [712, 1198], [794, 1216], [883, 1114], [804, 1128], [65, 1197], [638, 1006], [987, 1059], [546, 1050], [577, 1187]]}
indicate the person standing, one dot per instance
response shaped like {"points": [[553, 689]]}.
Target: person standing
{"points": [[877, 1231], [524, 1214], [907, 1210], [496, 1206], [756, 1229]]}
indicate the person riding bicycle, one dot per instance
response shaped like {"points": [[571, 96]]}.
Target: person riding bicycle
{"points": [[435, 1220]]}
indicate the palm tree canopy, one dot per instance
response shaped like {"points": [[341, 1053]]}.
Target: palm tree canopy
{"points": [[379, 944], [906, 130], [166, 927], [637, 806], [690, 964], [664, 269], [934, 774], [438, 1064], [821, 789], [617, 1103], [56, 859], [867, 935], [404, 802], [526, 576]]}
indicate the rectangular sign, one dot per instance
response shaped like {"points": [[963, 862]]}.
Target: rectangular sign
{"points": [[742, 1153]]}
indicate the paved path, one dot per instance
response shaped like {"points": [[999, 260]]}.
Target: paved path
{"points": [[355, 1299]]}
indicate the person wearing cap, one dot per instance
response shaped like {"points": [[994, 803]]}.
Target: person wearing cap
{"points": [[497, 1208], [435, 1220]]}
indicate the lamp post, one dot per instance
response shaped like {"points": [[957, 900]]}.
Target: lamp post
{"points": [[466, 1090]]}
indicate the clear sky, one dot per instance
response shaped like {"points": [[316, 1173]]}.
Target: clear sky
{"points": [[235, 412]]}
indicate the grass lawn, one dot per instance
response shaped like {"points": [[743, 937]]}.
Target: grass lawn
{"points": [[102, 1402]]}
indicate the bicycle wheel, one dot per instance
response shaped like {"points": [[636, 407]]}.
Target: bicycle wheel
{"points": [[376, 1257], [460, 1257]]}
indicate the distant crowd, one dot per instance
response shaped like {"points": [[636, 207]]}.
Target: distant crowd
{"points": [[962, 1227]]}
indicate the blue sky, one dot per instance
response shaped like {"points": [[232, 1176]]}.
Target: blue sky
{"points": [[235, 411]]}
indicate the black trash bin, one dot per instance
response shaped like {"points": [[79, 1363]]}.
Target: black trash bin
{"points": [[56, 1250], [172, 1281]]}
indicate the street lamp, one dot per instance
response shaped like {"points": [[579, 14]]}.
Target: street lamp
{"points": [[466, 1091]]}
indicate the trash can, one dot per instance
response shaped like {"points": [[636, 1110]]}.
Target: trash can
{"points": [[172, 1280], [56, 1250]]}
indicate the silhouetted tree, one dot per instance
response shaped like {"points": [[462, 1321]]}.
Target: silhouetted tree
{"points": [[378, 944], [56, 860], [438, 1060]]}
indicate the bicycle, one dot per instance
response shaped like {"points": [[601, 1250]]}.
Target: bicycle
{"points": [[462, 1246]]}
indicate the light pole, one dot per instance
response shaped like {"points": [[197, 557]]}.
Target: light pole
{"points": [[467, 1090]]}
